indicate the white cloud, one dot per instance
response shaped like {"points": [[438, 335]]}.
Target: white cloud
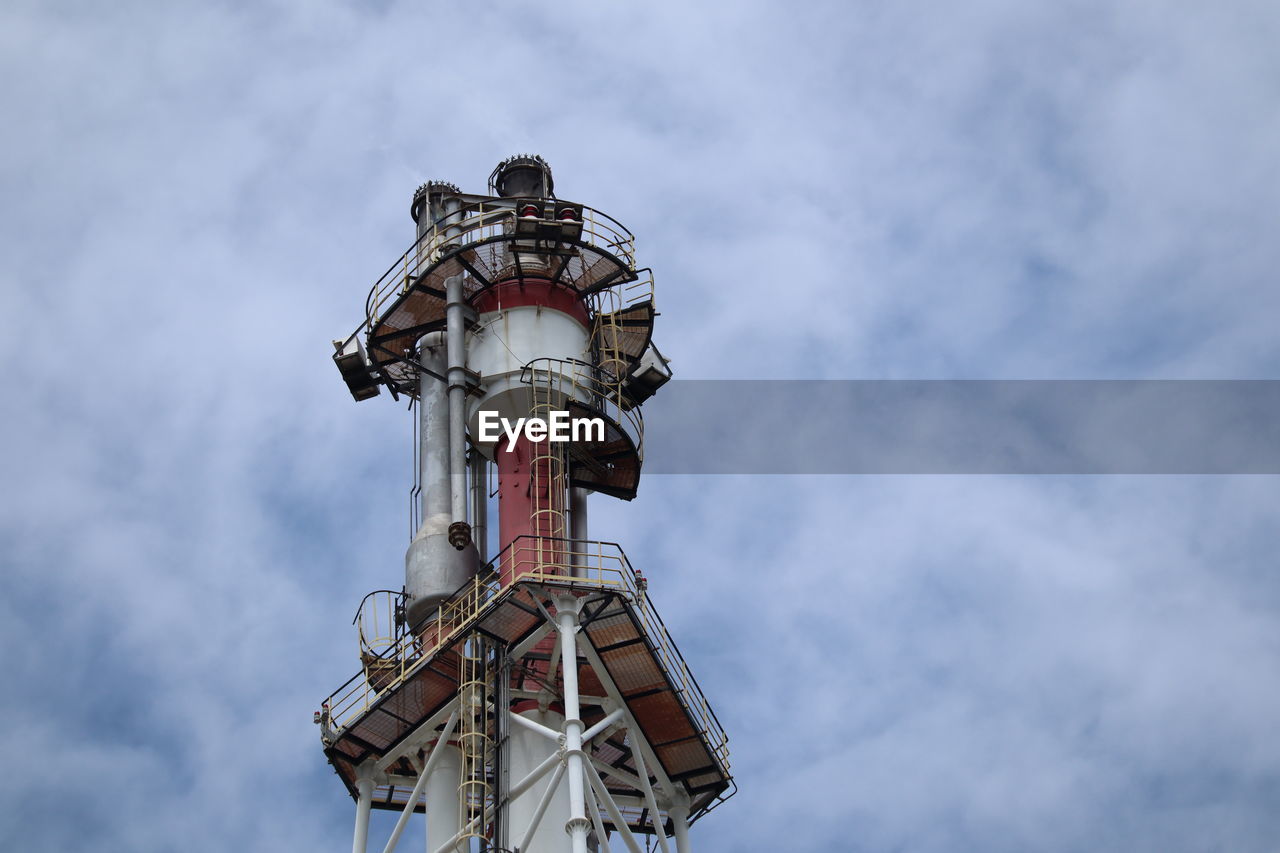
{"points": [[197, 198]]}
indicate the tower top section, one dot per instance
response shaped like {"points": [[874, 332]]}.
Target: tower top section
{"points": [[522, 176], [520, 235], [431, 193]]}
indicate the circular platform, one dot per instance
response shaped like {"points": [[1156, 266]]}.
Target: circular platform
{"points": [[489, 245]]}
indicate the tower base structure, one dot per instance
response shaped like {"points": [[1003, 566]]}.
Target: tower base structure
{"points": [[549, 713]]}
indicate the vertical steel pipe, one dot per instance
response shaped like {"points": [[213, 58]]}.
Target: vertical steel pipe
{"points": [[578, 529], [433, 431], [364, 802], [434, 569], [455, 332], [679, 814], [480, 506], [530, 508], [567, 623], [442, 797]]}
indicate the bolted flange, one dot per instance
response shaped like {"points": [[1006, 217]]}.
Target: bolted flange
{"points": [[524, 175], [459, 534], [577, 823], [431, 191]]}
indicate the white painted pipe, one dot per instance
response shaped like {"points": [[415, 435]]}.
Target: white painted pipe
{"points": [[602, 839], [432, 760], [679, 814], [530, 753], [456, 837], [543, 802], [567, 622], [551, 734], [533, 775], [621, 775], [612, 808], [650, 800], [602, 725], [364, 802], [434, 400], [443, 818]]}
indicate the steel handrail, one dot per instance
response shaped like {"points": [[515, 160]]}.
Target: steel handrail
{"points": [[599, 231], [604, 396], [611, 569]]}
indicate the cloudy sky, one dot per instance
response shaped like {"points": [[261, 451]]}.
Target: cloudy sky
{"points": [[196, 197]]}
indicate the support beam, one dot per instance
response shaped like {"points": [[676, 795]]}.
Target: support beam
{"points": [[432, 760], [598, 822], [543, 802], [618, 773], [534, 775], [679, 814], [567, 623], [650, 800], [611, 807], [364, 801], [613, 717], [448, 846], [532, 640], [553, 663], [550, 734], [421, 735], [638, 739]]}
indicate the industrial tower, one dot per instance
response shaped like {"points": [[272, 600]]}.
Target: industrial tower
{"points": [[530, 700]]}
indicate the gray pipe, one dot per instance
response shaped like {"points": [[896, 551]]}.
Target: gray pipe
{"points": [[433, 432], [578, 528], [433, 569], [459, 530], [455, 337], [480, 505], [435, 566]]}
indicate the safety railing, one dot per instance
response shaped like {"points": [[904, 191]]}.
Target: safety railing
{"points": [[480, 222], [380, 621], [687, 689], [547, 471], [561, 380], [566, 562], [608, 306]]}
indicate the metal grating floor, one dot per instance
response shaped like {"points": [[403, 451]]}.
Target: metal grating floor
{"points": [[632, 664]]}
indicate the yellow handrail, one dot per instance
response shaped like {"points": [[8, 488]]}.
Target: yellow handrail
{"points": [[482, 221], [563, 562]]}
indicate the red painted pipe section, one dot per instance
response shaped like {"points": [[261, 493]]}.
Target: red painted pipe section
{"points": [[531, 497], [519, 292], [532, 491]]}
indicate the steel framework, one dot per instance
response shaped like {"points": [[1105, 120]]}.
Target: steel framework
{"points": [[613, 668], [534, 702]]}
